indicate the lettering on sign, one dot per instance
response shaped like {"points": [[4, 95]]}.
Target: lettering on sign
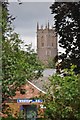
{"points": [[28, 100]]}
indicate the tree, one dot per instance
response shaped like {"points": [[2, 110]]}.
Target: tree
{"points": [[18, 66], [62, 100], [67, 25]]}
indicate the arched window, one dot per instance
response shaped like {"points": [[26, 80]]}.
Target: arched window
{"points": [[42, 41], [42, 44], [52, 44]]}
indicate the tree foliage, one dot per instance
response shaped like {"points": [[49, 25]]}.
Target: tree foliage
{"points": [[62, 100], [18, 65], [67, 25]]}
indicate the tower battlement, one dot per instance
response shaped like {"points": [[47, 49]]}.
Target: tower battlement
{"points": [[47, 26]]}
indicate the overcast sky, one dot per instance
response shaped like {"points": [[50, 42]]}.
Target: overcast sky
{"points": [[27, 15]]}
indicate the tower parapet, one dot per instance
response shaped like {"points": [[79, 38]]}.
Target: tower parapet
{"points": [[47, 26]]}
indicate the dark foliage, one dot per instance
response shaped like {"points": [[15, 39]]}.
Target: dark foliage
{"points": [[67, 24]]}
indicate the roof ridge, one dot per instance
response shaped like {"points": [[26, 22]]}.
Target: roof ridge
{"points": [[36, 87]]}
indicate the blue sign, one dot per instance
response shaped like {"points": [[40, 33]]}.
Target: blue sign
{"points": [[29, 100]]}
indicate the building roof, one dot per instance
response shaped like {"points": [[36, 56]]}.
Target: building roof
{"points": [[48, 72], [43, 81], [35, 87]]}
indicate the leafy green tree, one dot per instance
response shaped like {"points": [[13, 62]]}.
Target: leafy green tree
{"points": [[18, 65], [51, 63], [62, 100], [67, 25]]}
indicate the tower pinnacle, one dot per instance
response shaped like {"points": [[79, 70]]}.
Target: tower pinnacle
{"points": [[48, 24], [41, 26], [37, 26]]}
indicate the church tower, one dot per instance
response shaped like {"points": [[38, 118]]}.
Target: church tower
{"points": [[46, 43]]}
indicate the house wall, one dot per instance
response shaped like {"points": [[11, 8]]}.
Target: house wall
{"points": [[31, 93]]}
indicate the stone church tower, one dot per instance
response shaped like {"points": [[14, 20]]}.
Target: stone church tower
{"points": [[46, 43]]}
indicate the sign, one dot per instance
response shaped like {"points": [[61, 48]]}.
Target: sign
{"points": [[29, 100]]}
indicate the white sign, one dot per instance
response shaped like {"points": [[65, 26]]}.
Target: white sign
{"points": [[28, 100]]}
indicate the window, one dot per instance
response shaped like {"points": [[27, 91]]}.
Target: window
{"points": [[52, 44], [42, 44], [48, 52]]}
